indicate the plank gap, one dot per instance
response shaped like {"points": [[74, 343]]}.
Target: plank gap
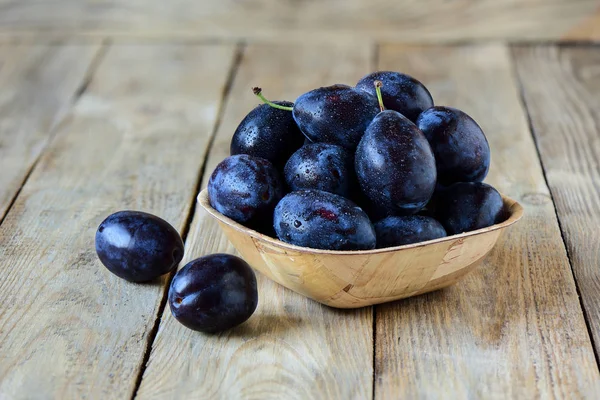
{"points": [[512, 327], [291, 345], [91, 71], [376, 54], [100, 53], [374, 311], [236, 61], [526, 108]]}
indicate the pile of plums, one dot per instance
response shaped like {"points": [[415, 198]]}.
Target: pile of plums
{"points": [[354, 168], [334, 170]]}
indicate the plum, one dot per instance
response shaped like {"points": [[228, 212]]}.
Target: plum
{"points": [[395, 165], [138, 246], [396, 231], [321, 166], [400, 92], [461, 150], [337, 114], [269, 133], [467, 206], [246, 189], [323, 220], [213, 293]]}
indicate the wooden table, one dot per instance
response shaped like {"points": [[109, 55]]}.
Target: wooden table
{"points": [[130, 105]]}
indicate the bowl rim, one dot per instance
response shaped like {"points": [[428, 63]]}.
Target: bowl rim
{"points": [[516, 212]]}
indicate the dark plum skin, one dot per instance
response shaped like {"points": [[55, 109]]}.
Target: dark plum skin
{"points": [[138, 246], [467, 206], [321, 166], [395, 165], [213, 293], [337, 114], [396, 231], [461, 150], [400, 92], [322, 220], [268, 133], [360, 198], [245, 189]]}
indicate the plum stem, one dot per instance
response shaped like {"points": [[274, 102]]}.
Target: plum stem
{"points": [[378, 85], [258, 92]]}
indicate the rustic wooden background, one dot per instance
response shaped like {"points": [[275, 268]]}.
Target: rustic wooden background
{"points": [[129, 104]]}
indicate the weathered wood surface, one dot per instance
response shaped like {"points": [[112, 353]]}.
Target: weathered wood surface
{"points": [[37, 85], [514, 327], [292, 347], [304, 20], [561, 88], [136, 139]]}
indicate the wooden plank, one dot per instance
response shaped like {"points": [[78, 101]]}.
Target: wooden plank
{"points": [[303, 20], [514, 327], [561, 88], [291, 347], [135, 140], [37, 84]]}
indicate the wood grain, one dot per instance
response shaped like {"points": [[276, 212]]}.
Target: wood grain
{"points": [[304, 20], [292, 347], [514, 327], [135, 140], [561, 88], [37, 85]]}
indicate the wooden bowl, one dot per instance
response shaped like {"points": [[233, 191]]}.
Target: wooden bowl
{"points": [[351, 279]]}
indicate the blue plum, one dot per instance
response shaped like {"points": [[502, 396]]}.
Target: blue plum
{"points": [[321, 166], [395, 165], [461, 150], [323, 220], [467, 206], [269, 133], [396, 231], [213, 293], [400, 92], [138, 246], [246, 189], [337, 114]]}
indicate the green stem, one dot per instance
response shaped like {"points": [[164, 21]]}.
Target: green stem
{"points": [[258, 92], [378, 85]]}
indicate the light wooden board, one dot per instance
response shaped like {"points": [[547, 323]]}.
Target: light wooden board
{"points": [[37, 85], [135, 140], [301, 20], [292, 347], [561, 87], [514, 327]]}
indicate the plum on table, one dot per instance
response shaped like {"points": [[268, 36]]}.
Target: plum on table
{"points": [[213, 293], [138, 246]]}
